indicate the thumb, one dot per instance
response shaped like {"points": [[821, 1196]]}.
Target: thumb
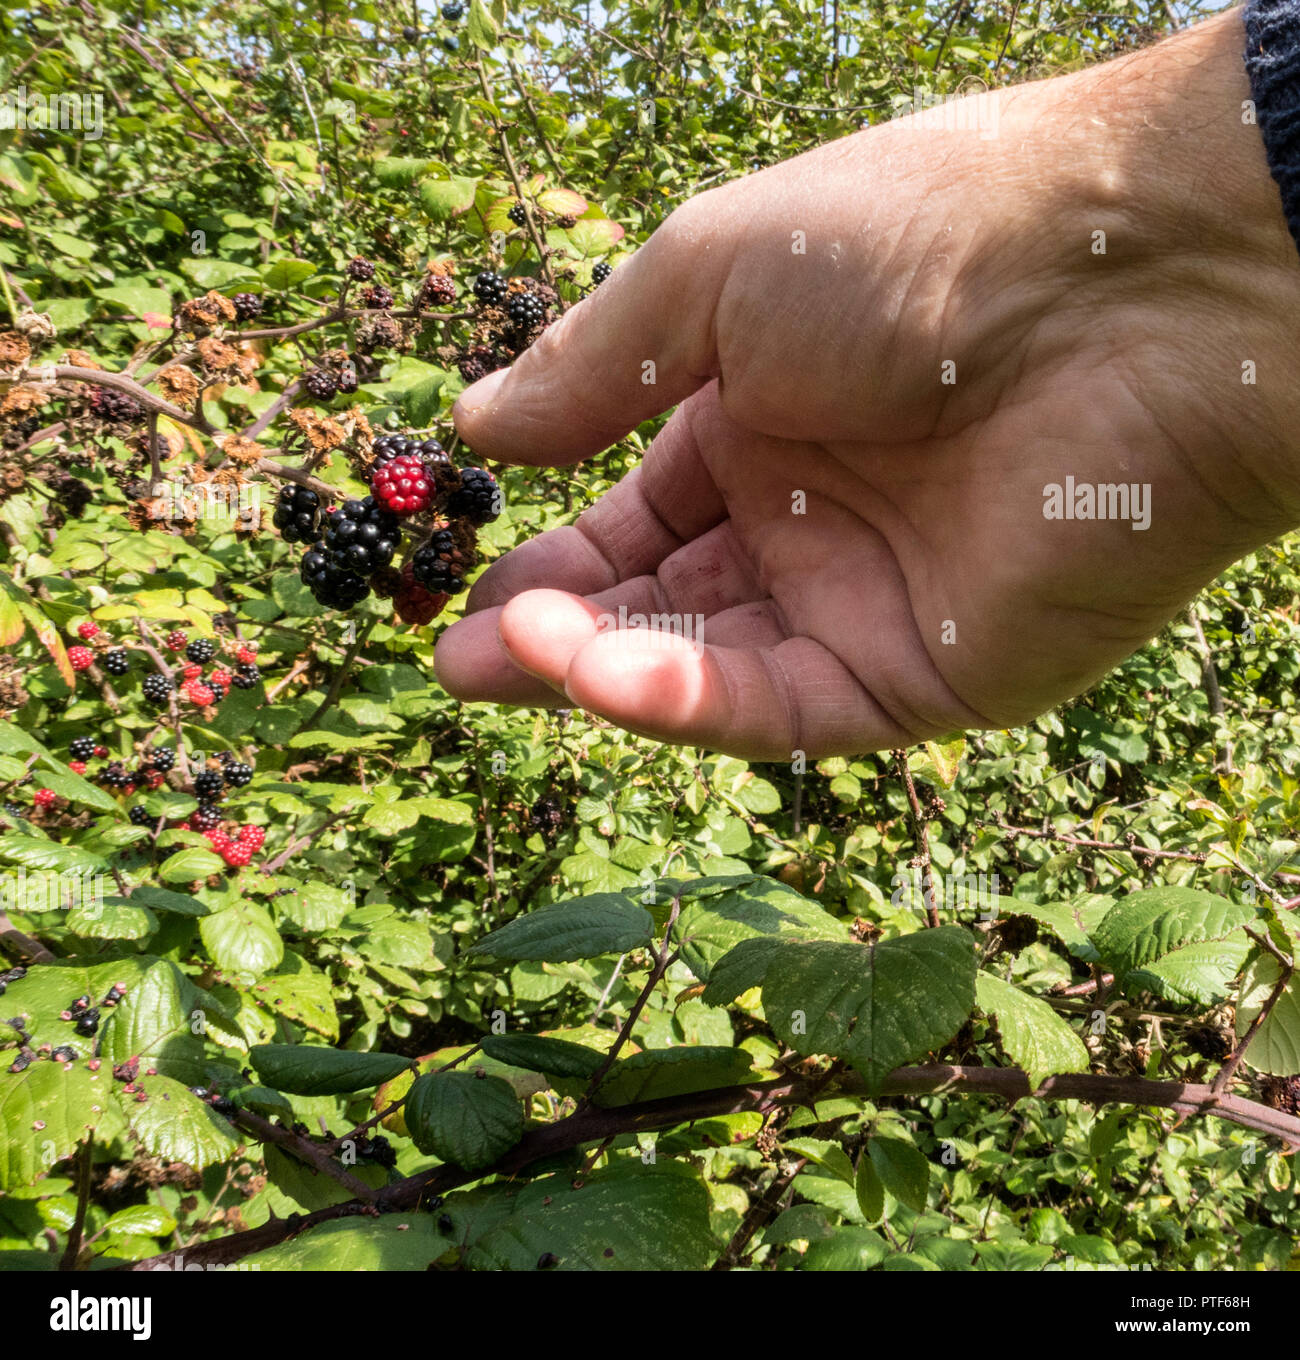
{"points": [[641, 343]]}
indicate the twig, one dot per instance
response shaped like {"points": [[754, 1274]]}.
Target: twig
{"points": [[1229, 1068], [1210, 683], [85, 1166], [920, 836], [1084, 843], [340, 677]]}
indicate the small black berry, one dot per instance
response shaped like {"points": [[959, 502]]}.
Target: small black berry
{"points": [[377, 297], [360, 269], [247, 306], [117, 661], [440, 566], [490, 288], [208, 784], [518, 214], [201, 651], [238, 774], [156, 688], [478, 499], [600, 272], [139, 816], [320, 384], [81, 748], [206, 816], [162, 758]]}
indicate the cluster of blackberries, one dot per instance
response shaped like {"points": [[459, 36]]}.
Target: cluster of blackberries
{"points": [[525, 310], [157, 689], [139, 816], [360, 537], [429, 451], [490, 288], [247, 306], [518, 214], [320, 384], [110, 404], [117, 661], [297, 513], [600, 272]]}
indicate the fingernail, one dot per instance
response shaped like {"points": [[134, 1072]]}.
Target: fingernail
{"points": [[483, 392]]}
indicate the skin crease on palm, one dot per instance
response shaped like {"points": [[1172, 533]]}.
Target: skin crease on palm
{"points": [[822, 372]]}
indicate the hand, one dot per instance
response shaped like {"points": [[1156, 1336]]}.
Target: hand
{"points": [[921, 590]]}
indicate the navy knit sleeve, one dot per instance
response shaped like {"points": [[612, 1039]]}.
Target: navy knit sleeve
{"points": [[1273, 64]]}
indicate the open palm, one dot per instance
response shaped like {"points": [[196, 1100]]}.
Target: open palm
{"points": [[885, 352]]}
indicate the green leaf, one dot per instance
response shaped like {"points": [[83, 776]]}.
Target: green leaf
{"points": [[161, 899], [114, 918], [302, 994], [480, 27], [177, 1126], [902, 1168], [628, 1217], [442, 199], [869, 1190], [1034, 1036], [1275, 1049], [242, 938], [1072, 922], [657, 1072], [708, 928], [44, 1113], [187, 866], [464, 1119], [851, 1248], [157, 1022], [875, 1005], [282, 275], [32, 853], [309, 1070], [143, 1220], [1147, 925], [594, 235], [581, 928], [536, 1053]]}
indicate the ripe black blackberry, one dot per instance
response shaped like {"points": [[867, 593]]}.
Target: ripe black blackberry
{"points": [[320, 384], [525, 310], [331, 586], [81, 748], [206, 816], [117, 661], [238, 774], [441, 565], [360, 269], [156, 688], [201, 651], [246, 675], [360, 537], [88, 1022], [518, 214], [162, 758], [601, 271], [490, 288], [297, 514], [390, 446], [139, 815], [478, 499], [208, 785], [377, 297], [247, 306]]}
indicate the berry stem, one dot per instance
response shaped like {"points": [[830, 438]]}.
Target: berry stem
{"points": [[132, 388], [341, 675]]}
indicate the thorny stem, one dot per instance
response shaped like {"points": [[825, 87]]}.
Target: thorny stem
{"points": [[920, 836]]}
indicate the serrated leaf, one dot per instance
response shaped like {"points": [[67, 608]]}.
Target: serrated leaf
{"points": [[281, 275], [902, 1168], [176, 1125], [187, 866], [33, 853], [581, 928], [1034, 1036], [1275, 1049], [467, 1120], [309, 1070], [1072, 922], [594, 235], [113, 918], [480, 27], [44, 1113], [143, 1220], [875, 1005], [1147, 925], [242, 938]]}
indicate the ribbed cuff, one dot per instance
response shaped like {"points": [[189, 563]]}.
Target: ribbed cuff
{"points": [[1273, 64]]}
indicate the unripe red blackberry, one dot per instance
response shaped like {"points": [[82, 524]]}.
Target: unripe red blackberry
{"points": [[415, 604], [80, 658], [87, 630], [320, 384], [402, 487], [44, 798], [360, 269], [176, 640]]}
